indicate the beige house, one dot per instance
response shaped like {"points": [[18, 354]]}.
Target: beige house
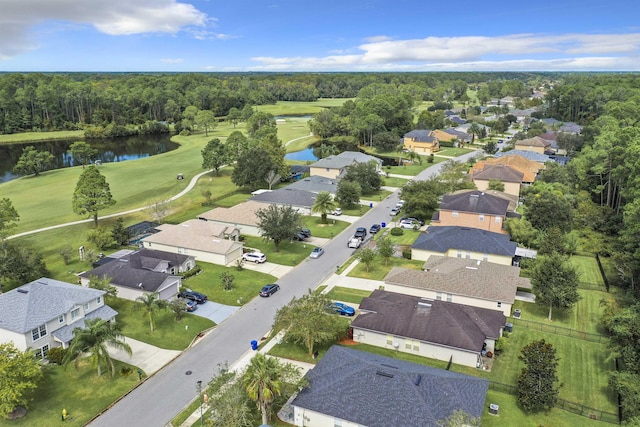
{"points": [[421, 141], [529, 168], [204, 240], [460, 280], [241, 217], [428, 327], [510, 177], [473, 209], [334, 167], [535, 144]]}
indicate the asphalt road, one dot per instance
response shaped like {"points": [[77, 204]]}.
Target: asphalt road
{"points": [[164, 395]]}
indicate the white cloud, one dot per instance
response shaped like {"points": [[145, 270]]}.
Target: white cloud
{"points": [[524, 52], [113, 17]]}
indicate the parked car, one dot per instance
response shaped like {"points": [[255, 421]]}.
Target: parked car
{"points": [[191, 305], [299, 237], [316, 252], [360, 233], [418, 220], [193, 296], [400, 204], [394, 211], [257, 257], [342, 309], [337, 212], [268, 290], [407, 224], [354, 243], [305, 232], [375, 228]]}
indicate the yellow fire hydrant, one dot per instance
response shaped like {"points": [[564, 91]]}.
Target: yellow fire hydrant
{"points": [[64, 414]]}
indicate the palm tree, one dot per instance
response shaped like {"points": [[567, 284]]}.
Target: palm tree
{"points": [[474, 130], [262, 382], [93, 339], [323, 204], [150, 303]]}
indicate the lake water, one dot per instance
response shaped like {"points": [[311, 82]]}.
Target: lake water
{"points": [[109, 150], [304, 155]]}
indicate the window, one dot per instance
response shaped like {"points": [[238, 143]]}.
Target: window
{"points": [[468, 255], [389, 340], [439, 296], [499, 304], [86, 307], [459, 253], [337, 422], [485, 257], [416, 345], [481, 217], [407, 344], [38, 333], [61, 318], [180, 250], [41, 352], [454, 214], [449, 297], [98, 300], [497, 220], [327, 169], [74, 313]]}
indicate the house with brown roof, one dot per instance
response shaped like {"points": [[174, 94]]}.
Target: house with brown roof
{"points": [[460, 280], [472, 208], [241, 217], [451, 134], [535, 144], [205, 240], [428, 327], [421, 141], [528, 167], [510, 177]]}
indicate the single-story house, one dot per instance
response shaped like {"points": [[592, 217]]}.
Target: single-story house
{"points": [[315, 184], [205, 240], [335, 167], [472, 208], [352, 388], [241, 217], [535, 144], [42, 314], [421, 141], [509, 176], [300, 200], [427, 327], [460, 280], [464, 242], [143, 271]]}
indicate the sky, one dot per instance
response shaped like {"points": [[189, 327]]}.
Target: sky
{"points": [[318, 36]]}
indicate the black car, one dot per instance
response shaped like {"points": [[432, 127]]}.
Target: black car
{"points": [[193, 296], [268, 290], [305, 232], [360, 233], [374, 228], [299, 237]]}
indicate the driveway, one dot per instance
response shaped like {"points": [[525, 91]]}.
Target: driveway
{"points": [[145, 356], [215, 311]]}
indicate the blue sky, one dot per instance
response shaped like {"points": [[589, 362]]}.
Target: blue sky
{"points": [[327, 35]]}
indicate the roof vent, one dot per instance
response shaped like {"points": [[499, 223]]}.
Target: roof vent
{"points": [[471, 268], [388, 366], [417, 379], [23, 291], [424, 304], [384, 374]]}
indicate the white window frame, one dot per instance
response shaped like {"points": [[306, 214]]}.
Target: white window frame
{"points": [[61, 318], [75, 313], [39, 332], [498, 219], [439, 296], [449, 297], [485, 257], [99, 300], [454, 214], [85, 307], [41, 353], [481, 217]]}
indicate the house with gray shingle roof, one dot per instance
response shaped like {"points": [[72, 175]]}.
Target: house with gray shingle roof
{"points": [[535, 144], [43, 314], [355, 388], [301, 200], [536, 157], [145, 270], [472, 208], [432, 328], [464, 242], [315, 184], [421, 141], [335, 167], [460, 280], [241, 217]]}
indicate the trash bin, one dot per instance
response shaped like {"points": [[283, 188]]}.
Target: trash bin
{"points": [[517, 313], [370, 205], [383, 225], [508, 327], [493, 409], [254, 345]]}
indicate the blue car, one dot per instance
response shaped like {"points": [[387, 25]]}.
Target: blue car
{"points": [[342, 309]]}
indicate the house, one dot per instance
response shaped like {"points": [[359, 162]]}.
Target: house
{"points": [[241, 217], [530, 155], [460, 280], [465, 128], [43, 314], [451, 134], [427, 327], [134, 273], [535, 144], [336, 166], [421, 141], [570, 127], [457, 120], [300, 200], [464, 242], [510, 177], [472, 208], [205, 240], [353, 388], [315, 184], [528, 167]]}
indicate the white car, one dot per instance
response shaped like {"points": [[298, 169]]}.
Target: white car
{"points": [[400, 204], [257, 257], [337, 212], [407, 224], [395, 211]]}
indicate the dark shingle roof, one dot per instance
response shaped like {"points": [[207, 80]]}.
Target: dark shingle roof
{"points": [[475, 201], [503, 173], [373, 390], [287, 196], [315, 184], [420, 135], [441, 239], [442, 323]]}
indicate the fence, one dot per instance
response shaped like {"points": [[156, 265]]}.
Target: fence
{"points": [[586, 336], [566, 405], [604, 275]]}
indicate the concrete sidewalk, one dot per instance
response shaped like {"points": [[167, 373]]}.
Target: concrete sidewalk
{"points": [[147, 357]]}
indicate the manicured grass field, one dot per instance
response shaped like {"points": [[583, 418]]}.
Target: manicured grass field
{"points": [[378, 270], [81, 392], [354, 296], [290, 253], [395, 182], [453, 152], [289, 108], [327, 231], [40, 136], [588, 269]]}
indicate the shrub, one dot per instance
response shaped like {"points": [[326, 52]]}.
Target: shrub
{"points": [[194, 271], [406, 253], [56, 354], [125, 371], [396, 231]]}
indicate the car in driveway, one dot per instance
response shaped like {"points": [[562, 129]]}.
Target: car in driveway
{"points": [[257, 257], [193, 296], [337, 212], [418, 220], [407, 224], [305, 232], [316, 252], [360, 233], [299, 237], [341, 309], [190, 305], [375, 228], [268, 290]]}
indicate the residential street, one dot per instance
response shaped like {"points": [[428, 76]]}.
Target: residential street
{"points": [[166, 393]]}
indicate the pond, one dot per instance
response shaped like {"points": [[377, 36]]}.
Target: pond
{"points": [[304, 155], [109, 150]]}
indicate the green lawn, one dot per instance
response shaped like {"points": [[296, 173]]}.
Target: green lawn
{"points": [[290, 253], [453, 152], [378, 270], [291, 108], [588, 269], [407, 238], [169, 333], [354, 296], [39, 136], [376, 196], [327, 231], [80, 391], [246, 283], [395, 182]]}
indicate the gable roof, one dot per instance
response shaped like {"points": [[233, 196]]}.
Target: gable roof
{"points": [[195, 234], [332, 162], [382, 391], [359, 157], [34, 304], [443, 238], [242, 213], [444, 323], [315, 184], [502, 173], [570, 127], [474, 201], [550, 121], [287, 196], [531, 155], [461, 276], [536, 141], [420, 135], [518, 163]]}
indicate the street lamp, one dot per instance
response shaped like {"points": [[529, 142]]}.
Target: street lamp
{"points": [[199, 390]]}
